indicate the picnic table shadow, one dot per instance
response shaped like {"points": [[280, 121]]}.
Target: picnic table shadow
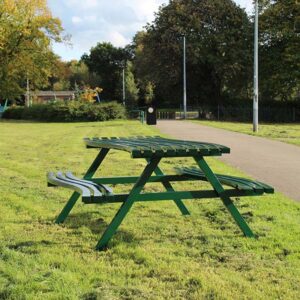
{"points": [[97, 226]]}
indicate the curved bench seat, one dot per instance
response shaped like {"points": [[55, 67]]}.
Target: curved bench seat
{"points": [[87, 189], [238, 183]]}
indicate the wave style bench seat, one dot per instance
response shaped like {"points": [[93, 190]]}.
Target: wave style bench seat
{"points": [[87, 189], [251, 187]]}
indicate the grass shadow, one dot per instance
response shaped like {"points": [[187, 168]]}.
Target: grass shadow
{"points": [[29, 247], [97, 226]]}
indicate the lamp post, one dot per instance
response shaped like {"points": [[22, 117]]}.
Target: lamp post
{"points": [[124, 92], [184, 77], [27, 93], [255, 83]]}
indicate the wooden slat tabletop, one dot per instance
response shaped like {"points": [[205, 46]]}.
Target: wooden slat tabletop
{"points": [[150, 146]]}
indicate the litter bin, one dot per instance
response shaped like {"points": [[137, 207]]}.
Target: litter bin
{"points": [[151, 116]]}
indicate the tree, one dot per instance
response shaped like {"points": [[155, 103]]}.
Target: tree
{"points": [[60, 76], [279, 76], [132, 92], [149, 92], [107, 62], [81, 75], [26, 31], [142, 68], [219, 51]]}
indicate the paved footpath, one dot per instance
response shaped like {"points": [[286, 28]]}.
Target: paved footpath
{"points": [[272, 162]]}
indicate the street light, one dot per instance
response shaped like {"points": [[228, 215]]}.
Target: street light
{"points": [[255, 83], [124, 92], [27, 102], [184, 77]]}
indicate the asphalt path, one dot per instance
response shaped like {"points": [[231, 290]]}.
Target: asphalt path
{"points": [[272, 162]]}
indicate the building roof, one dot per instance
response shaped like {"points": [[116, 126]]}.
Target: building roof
{"points": [[54, 93]]}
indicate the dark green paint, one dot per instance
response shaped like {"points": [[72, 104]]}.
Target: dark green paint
{"points": [[236, 182], [169, 196], [133, 179], [147, 147]]}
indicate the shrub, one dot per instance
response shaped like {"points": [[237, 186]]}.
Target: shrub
{"points": [[71, 111]]}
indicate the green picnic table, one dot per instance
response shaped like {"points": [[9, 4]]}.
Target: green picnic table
{"points": [[153, 150]]}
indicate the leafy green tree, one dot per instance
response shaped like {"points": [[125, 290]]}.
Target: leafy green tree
{"points": [[107, 62], [279, 63], [149, 93], [80, 75], [219, 51], [132, 92], [26, 31]]}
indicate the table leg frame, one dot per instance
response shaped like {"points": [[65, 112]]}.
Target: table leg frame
{"points": [[167, 185], [75, 196], [152, 167], [126, 206], [211, 177]]}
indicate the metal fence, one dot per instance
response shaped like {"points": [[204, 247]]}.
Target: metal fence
{"points": [[266, 114], [230, 113], [176, 115], [137, 114]]}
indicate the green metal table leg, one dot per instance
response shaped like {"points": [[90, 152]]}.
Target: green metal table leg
{"points": [[124, 209], [75, 196], [211, 177], [169, 188]]}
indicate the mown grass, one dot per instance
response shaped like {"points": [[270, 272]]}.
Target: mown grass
{"points": [[288, 133], [156, 253]]}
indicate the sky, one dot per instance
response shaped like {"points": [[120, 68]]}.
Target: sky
{"points": [[91, 21]]}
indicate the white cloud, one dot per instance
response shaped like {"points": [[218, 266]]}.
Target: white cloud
{"points": [[247, 4], [76, 20], [117, 39], [144, 10]]}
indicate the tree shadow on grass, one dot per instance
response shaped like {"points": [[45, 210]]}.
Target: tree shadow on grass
{"points": [[29, 247], [3, 120], [86, 219], [97, 226]]}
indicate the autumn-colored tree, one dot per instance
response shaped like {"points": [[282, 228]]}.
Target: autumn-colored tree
{"points": [[91, 95], [27, 28]]}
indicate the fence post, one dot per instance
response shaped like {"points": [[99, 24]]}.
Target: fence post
{"points": [[142, 117]]}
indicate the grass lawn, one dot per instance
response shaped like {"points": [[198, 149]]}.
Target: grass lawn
{"points": [[288, 133], [156, 253]]}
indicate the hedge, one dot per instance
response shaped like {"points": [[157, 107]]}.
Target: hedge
{"points": [[71, 111]]}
